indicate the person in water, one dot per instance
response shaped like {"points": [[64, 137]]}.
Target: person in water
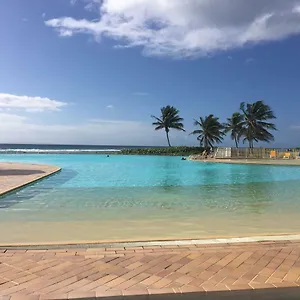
{"points": [[183, 158]]}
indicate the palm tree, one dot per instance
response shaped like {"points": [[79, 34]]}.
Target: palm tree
{"points": [[255, 126], [234, 125], [169, 119], [210, 132]]}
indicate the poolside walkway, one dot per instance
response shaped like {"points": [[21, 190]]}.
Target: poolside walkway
{"points": [[16, 175], [274, 162], [241, 270]]}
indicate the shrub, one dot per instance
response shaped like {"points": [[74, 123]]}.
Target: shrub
{"points": [[172, 151]]}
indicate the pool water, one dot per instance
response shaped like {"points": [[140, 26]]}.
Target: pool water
{"points": [[96, 198]]}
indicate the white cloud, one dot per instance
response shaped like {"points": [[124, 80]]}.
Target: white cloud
{"points": [[11, 118], [249, 60], [187, 28], [295, 127], [17, 129], [24, 19], [28, 103], [66, 32], [109, 106], [43, 15], [92, 5]]}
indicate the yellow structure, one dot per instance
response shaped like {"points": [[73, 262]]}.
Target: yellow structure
{"points": [[273, 154]]}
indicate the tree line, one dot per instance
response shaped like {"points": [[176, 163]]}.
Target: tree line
{"points": [[252, 123]]}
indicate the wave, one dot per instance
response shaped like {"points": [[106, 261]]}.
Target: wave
{"points": [[51, 151]]}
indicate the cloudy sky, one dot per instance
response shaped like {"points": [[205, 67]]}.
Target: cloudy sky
{"points": [[94, 71]]}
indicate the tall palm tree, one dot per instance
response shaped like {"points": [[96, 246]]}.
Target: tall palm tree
{"points": [[169, 119], [234, 125], [255, 126], [210, 132]]}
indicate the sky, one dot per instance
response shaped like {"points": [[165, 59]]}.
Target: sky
{"points": [[94, 71]]}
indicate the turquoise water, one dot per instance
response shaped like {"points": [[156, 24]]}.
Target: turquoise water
{"points": [[136, 197], [86, 171]]}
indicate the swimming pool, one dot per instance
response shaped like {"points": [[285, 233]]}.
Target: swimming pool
{"points": [[120, 197]]}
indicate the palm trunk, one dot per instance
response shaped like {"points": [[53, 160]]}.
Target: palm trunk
{"points": [[206, 144], [236, 142], [167, 133], [251, 146]]}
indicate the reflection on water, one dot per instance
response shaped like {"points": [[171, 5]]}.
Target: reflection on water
{"points": [[44, 187], [236, 198], [131, 213], [150, 197]]}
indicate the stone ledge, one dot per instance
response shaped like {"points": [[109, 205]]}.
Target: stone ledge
{"points": [[14, 176]]}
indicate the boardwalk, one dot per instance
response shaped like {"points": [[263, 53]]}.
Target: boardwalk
{"points": [[248, 270]]}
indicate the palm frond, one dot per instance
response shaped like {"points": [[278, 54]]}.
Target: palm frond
{"points": [[210, 132], [255, 125], [169, 119]]}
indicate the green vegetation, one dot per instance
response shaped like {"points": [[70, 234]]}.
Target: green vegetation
{"points": [[210, 132], [234, 126], [251, 124], [173, 151], [169, 119], [255, 126]]}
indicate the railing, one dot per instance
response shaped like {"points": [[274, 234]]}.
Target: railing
{"points": [[257, 153], [223, 153], [246, 153]]}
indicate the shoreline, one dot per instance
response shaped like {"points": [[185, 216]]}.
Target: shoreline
{"points": [[162, 151], [18, 152]]}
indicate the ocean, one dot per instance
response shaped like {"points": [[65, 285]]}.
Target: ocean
{"points": [[50, 148]]}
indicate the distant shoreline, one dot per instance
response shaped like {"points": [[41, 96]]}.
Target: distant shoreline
{"points": [[169, 151], [183, 151], [4, 146], [112, 151]]}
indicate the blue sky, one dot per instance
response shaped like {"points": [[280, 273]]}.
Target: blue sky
{"points": [[92, 72]]}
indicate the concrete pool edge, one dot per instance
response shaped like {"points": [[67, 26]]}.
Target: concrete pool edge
{"points": [[154, 243], [48, 170], [262, 162]]}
